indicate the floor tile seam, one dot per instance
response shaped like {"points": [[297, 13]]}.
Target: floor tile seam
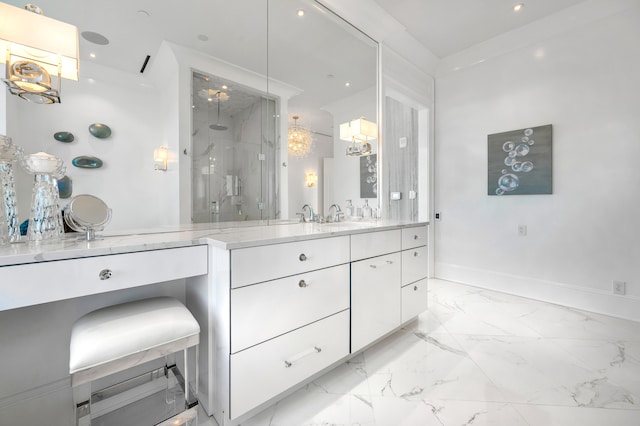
{"points": [[482, 370]]}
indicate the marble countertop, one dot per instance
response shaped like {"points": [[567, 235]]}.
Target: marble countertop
{"points": [[228, 235]]}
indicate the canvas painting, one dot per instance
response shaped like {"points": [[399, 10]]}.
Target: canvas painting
{"points": [[520, 162], [368, 176]]}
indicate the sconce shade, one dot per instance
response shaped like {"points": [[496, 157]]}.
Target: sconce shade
{"points": [[32, 37], [35, 47], [311, 179], [161, 158], [358, 130]]}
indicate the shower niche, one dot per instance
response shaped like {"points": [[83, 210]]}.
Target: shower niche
{"points": [[233, 152]]}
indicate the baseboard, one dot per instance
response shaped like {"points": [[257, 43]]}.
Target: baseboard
{"points": [[627, 307]]}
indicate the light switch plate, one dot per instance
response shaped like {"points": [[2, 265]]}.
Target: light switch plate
{"points": [[396, 195], [402, 143]]}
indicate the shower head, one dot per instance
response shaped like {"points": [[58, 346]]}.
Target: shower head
{"points": [[218, 126]]}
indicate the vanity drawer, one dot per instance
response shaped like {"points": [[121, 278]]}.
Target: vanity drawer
{"points": [[415, 236], [266, 310], [35, 283], [373, 244], [414, 299], [266, 370], [256, 264], [414, 264]]}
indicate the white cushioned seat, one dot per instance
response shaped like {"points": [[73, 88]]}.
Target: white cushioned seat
{"points": [[117, 337]]}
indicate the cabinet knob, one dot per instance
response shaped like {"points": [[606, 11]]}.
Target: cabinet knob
{"points": [[415, 237], [105, 274], [415, 288], [416, 254], [303, 284], [302, 257]]}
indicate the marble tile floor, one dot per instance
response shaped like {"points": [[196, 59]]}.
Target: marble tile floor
{"points": [[480, 357]]}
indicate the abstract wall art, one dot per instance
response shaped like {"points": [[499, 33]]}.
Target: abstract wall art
{"points": [[369, 176], [519, 162]]}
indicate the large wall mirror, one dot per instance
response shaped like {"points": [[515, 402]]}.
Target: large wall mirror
{"points": [[219, 93]]}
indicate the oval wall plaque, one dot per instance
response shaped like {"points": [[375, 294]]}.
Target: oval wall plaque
{"points": [[87, 162], [100, 131]]}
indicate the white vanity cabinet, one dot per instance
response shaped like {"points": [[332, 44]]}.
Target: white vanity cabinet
{"points": [[414, 272], [375, 286], [276, 314], [287, 319]]}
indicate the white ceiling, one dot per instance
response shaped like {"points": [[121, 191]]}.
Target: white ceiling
{"points": [[235, 30], [446, 27]]}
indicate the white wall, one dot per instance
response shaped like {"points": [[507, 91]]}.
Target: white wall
{"points": [[138, 196], [585, 82], [299, 193]]}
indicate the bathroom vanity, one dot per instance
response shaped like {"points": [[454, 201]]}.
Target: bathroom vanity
{"points": [[282, 305], [278, 305]]}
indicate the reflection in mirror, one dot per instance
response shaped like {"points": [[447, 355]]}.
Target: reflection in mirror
{"points": [[314, 66], [335, 65], [229, 148]]}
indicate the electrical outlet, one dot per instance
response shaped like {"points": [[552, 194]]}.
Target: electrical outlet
{"points": [[522, 230], [619, 287], [438, 215]]}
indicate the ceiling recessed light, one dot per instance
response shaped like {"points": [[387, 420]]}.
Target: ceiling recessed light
{"points": [[93, 55], [518, 7], [203, 37], [225, 87], [347, 84], [300, 12]]}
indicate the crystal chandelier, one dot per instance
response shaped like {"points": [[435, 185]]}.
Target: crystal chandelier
{"points": [[299, 139]]}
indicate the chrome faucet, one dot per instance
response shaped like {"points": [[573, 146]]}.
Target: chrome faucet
{"points": [[311, 216], [337, 213]]}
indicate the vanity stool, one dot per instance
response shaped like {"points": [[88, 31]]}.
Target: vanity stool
{"points": [[115, 338]]}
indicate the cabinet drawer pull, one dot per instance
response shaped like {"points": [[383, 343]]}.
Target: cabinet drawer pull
{"points": [[303, 284], [302, 257], [416, 237], [415, 288], [105, 274], [387, 262], [416, 254], [288, 363]]}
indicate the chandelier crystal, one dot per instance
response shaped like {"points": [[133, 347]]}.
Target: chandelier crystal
{"points": [[299, 139]]}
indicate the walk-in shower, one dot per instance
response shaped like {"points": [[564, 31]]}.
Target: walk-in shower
{"points": [[234, 152]]}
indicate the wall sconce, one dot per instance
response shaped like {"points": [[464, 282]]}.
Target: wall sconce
{"points": [[358, 132], [160, 158], [311, 179], [33, 48]]}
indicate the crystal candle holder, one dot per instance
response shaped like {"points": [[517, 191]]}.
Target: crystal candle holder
{"points": [[45, 221], [9, 154]]}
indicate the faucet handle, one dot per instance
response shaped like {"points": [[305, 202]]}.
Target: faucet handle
{"points": [[300, 217]]}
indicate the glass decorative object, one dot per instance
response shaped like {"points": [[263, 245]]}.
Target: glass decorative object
{"points": [[45, 221], [66, 137], [100, 131], [9, 154], [87, 162]]}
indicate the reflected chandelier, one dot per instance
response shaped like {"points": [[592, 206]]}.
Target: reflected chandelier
{"points": [[299, 139]]}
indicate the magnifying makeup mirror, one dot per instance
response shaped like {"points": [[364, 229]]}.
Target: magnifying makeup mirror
{"points": [[87, 213]]}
